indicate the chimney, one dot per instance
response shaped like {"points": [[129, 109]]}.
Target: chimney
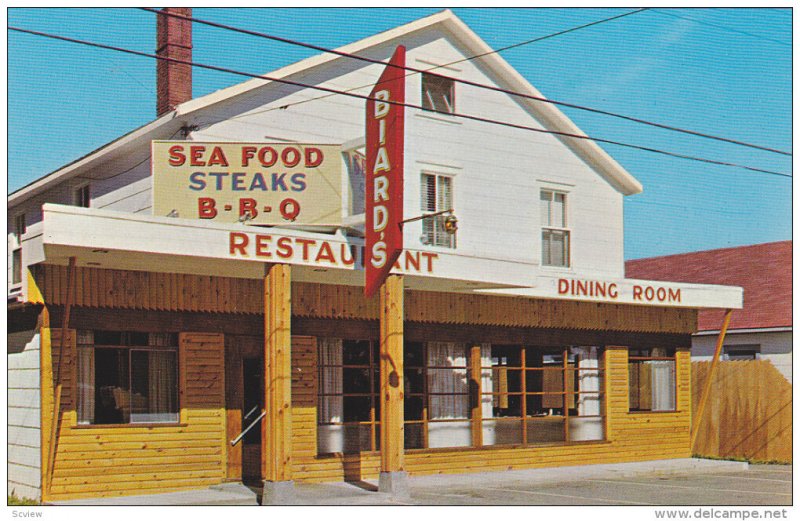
{"points": [[174, 40]]}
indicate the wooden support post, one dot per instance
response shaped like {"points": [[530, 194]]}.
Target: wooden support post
{"points": [[566, 390], [710, 379], [46, 397], [476, 417], [392, 477], [51, 456], [276, 428]]}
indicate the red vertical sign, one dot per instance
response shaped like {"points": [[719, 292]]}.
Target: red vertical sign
{"points": [[384, 181]]}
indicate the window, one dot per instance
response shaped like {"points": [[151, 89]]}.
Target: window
{"points": [[533, 395], [529, 395], [437, 399], [438, 93], [555, 234], [349, 409], [651, 375], [356, 164], [742, 352], [436, 196], [127, 377], [16, 254], [81, 196]]}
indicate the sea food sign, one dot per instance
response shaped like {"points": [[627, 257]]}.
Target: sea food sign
{"points": [[256, 183], [384, 181]]}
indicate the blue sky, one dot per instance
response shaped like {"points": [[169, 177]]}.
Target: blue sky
{"points": [[720, 71]]}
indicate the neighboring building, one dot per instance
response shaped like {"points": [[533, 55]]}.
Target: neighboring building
{"points": [[516, 338], [763, 328]]}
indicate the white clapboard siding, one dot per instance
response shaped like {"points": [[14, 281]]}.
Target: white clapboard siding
{"points": [[498, 171], [24, 416]]}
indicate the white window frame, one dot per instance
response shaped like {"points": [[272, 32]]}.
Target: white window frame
{"points": [[434, 226], [565, 228], [20, 226]]}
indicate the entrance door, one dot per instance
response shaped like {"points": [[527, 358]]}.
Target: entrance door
{"points": [[253, 401], [243, 393]]}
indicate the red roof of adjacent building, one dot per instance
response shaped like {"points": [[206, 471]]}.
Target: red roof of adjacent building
{"points": [[763, 270]]}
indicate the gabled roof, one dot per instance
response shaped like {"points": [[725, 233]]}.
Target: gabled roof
{"points": [[763, 270], [507, 76]]}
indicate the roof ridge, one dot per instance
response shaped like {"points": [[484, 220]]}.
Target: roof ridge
{"points": [[696, 252]]}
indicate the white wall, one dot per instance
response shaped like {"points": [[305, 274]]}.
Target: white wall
{"points": [[498, 171], [775, 347], [24, 442]]}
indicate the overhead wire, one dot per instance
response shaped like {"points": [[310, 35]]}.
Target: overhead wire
{"points": [[391, 102], [414, 70]]}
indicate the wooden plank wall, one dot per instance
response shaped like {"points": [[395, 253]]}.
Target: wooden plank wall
{"points": [[178, 292], [117, 289], [630, 437], [96, 461], [749, 411]]}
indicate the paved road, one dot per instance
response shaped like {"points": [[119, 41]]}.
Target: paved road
{"points": [[758, 485]]}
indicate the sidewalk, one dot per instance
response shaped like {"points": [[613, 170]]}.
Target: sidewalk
{"points": [[458, 487]]}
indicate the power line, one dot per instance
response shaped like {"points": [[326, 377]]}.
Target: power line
{"points": [[723, 27], [414, 70], [409, 105]]}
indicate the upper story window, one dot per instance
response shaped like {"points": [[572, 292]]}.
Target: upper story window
{"points": [[16, 254], [555, 233], [436, 195], [438, 93], [81, 196], [19, 226]]}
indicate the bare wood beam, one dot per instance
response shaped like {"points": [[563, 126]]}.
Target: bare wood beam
{"points": [[476, 390], [391, 374], [710, 379], [276, 428], [58, 387]]}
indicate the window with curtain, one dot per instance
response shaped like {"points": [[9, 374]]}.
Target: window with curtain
{"points": [[555, 233], [348, 414], [436, 195], [541, 394], [126, 377], [651, 376]]}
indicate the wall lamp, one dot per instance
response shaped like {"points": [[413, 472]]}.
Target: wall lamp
{"points": [[450, 223]]}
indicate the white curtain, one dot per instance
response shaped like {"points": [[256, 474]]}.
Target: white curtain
{"points": [[85, 343], [330, 353], [662, 381], [448, 354], [161, 383], [486, 380], [588, 380]]}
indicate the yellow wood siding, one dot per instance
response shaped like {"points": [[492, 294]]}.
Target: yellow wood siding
{"points": [[630, 436], [114, 460], [179, 292]]}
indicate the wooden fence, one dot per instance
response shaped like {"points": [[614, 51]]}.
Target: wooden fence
{"points": [[749, 412]]}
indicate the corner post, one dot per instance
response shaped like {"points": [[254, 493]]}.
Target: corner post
{"points": [[393, 478], [276, 427]]}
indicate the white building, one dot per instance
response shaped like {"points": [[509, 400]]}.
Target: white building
{"points": [[521, 341]]}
